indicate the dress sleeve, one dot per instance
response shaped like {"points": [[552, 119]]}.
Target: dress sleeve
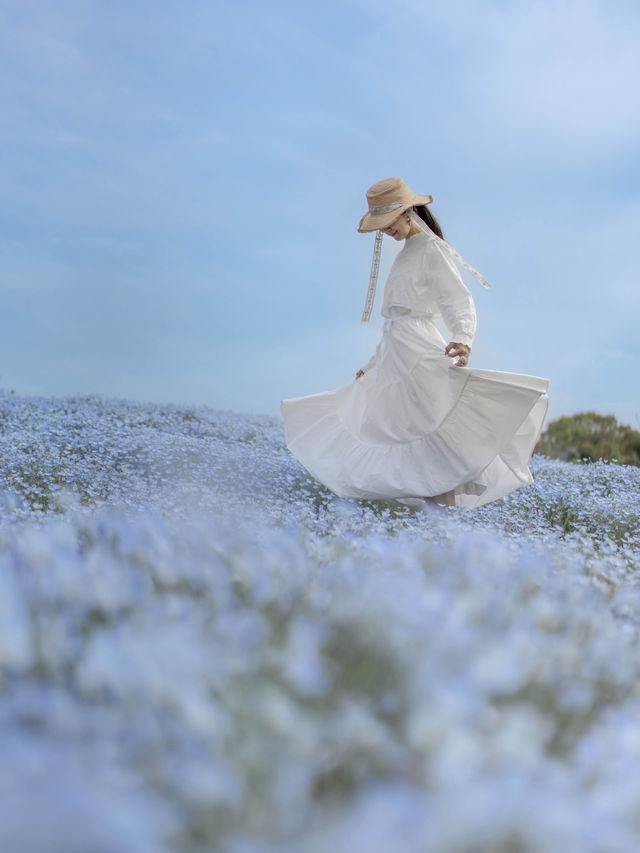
{"points": [[451, 294]]}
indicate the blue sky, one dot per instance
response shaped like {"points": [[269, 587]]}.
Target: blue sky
{"points": [[182, 183]]}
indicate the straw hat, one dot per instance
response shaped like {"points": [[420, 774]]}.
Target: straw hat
{"points": [[387, 200]]}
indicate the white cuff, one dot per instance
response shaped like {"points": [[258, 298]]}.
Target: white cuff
{"points": [[461, 338]]}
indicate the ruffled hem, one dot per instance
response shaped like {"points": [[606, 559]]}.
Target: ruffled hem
{"points": [[481, 449]]}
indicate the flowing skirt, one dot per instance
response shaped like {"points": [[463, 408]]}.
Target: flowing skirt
{"points": [[415, 425]]}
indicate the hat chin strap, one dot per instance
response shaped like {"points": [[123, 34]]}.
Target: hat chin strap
{"points": [[375, 263]]}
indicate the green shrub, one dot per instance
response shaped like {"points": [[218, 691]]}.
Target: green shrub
{"points": [[588, 436]]}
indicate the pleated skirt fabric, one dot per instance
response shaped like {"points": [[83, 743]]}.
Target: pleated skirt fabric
{"points": [[415, 425]]}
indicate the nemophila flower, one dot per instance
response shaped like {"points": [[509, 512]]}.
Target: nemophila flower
{"points": [[186, 616], [51, 800]]}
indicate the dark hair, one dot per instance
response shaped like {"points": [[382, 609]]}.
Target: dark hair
{"points": [[425, 214]]}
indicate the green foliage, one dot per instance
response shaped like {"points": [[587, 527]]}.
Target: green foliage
{"points": [[588, 436]]}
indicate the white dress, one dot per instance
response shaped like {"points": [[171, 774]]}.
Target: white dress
{"points": [[415, 424]]}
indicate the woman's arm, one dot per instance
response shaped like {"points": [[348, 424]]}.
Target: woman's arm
{"points": [[454, 301]]}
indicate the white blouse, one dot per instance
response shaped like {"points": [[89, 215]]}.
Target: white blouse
{"points": [[423, 279]]}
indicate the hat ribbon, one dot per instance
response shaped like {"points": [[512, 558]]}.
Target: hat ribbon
{"points": [[448, 248], [377, 248], [373, 278], [385, 208]]}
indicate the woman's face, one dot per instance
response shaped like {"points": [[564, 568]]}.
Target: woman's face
{"points": [[399, 228]]}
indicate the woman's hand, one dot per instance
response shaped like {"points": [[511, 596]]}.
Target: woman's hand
{"points": [[359, 374], [459, 351]]}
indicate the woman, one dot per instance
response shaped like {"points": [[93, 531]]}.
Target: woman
{"points": [[418, 424]]}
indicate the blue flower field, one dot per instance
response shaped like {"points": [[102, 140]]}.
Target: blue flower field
{"points": [[202, 649]]}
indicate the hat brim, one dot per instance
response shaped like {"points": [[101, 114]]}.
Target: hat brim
{"points": [[379, 221]]}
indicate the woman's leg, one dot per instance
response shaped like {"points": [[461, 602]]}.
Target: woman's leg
{"points": [[446, 498]]}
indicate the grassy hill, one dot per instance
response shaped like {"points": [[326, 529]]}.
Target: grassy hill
{"points": [[203, 649]]}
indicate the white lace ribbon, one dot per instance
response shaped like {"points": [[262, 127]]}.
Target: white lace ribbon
{"points": [[375, 263], [422, 225], [385, 208], [373, 278]]}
